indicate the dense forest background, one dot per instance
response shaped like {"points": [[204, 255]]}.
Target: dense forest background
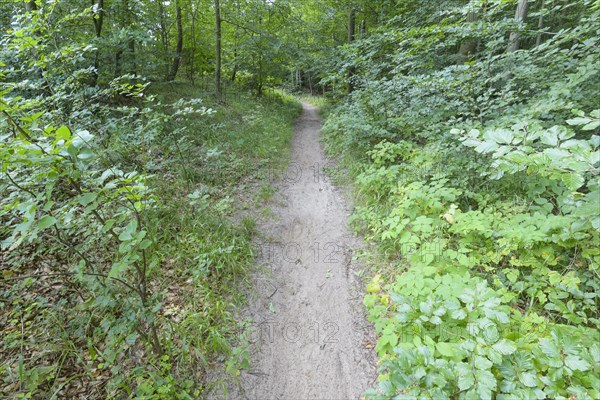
{"points": [[129, 131]]}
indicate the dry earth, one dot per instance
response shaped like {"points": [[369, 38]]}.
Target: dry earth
{"points": [[310, 339]]}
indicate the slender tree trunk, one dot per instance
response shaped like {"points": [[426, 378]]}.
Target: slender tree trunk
{"points": [[118, 58], [235, 67], [468, 46], [179, 46], [520, 16], [218, 91], [130, 40], [351, 35], [538, 38], [193, 55], [98, 19], [235, 55], [163, 37], [132, 56]]}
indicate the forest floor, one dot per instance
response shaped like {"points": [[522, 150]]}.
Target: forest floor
{"points": [[309, 337]]}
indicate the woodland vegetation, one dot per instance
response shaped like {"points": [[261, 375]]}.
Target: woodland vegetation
{"points": [[130, 132]]}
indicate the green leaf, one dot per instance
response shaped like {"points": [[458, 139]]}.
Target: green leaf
{"points": [[573, 180], [117, 269], [129, 231], [528, 379], [578, 121], [503, 136], [591, 126], [446, 349], [459, 314], [486, 383], [63, 133], [549, 137], [466, 379], [87, 198], [486, 147], [82, 138], [45, 222], [505, 347], [482, 363], [576, 363]]}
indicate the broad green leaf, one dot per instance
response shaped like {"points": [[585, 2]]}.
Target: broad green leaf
{"points": [[63, 133], [578, 121], [576, 363], [466, 379], [87, 198], [505, 347], [46, 221], [482, 363], [528, 379], [591, 126], [486, 383], [446, 349], [504, 136], [486, 147]]}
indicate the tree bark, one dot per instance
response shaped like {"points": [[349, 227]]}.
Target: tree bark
{"points": [[179, 46], [118, 56], [520, 16], [192, 75], [163, 37], [98, 19], [218, 91], [131, 47], [468, 46], [538, 38]]}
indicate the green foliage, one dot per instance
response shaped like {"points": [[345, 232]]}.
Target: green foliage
{"points": [[477, 178], [120, 267]]}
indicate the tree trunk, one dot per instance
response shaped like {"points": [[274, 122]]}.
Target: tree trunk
{"points": [[538, 38], [98, 19], [118, 56], [163, 37], [179, 46], [218, 91], [351, 35], [468, 46], [131, 47], [193, 55], [520, 16]]}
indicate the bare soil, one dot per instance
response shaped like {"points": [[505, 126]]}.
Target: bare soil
{"points": [[310, 339]]}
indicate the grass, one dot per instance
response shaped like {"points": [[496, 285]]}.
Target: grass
{"points": [[202, 170], [216, 166]]}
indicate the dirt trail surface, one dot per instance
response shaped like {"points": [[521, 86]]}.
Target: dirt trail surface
{"points": [[310, 339]]}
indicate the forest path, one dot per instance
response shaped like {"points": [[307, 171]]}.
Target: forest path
{"points": [[310, 338]]}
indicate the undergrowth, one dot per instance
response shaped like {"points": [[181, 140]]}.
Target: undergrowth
{"points": [[478, 184], [129, 291]]}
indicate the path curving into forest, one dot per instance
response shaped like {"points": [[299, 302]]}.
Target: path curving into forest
{"points": [[310, 338]]}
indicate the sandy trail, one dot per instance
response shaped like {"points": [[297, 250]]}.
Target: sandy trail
{"points": [[310, 337]]}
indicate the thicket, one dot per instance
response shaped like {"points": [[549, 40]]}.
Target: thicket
{"points": [[476, 170], [118, 255]]}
